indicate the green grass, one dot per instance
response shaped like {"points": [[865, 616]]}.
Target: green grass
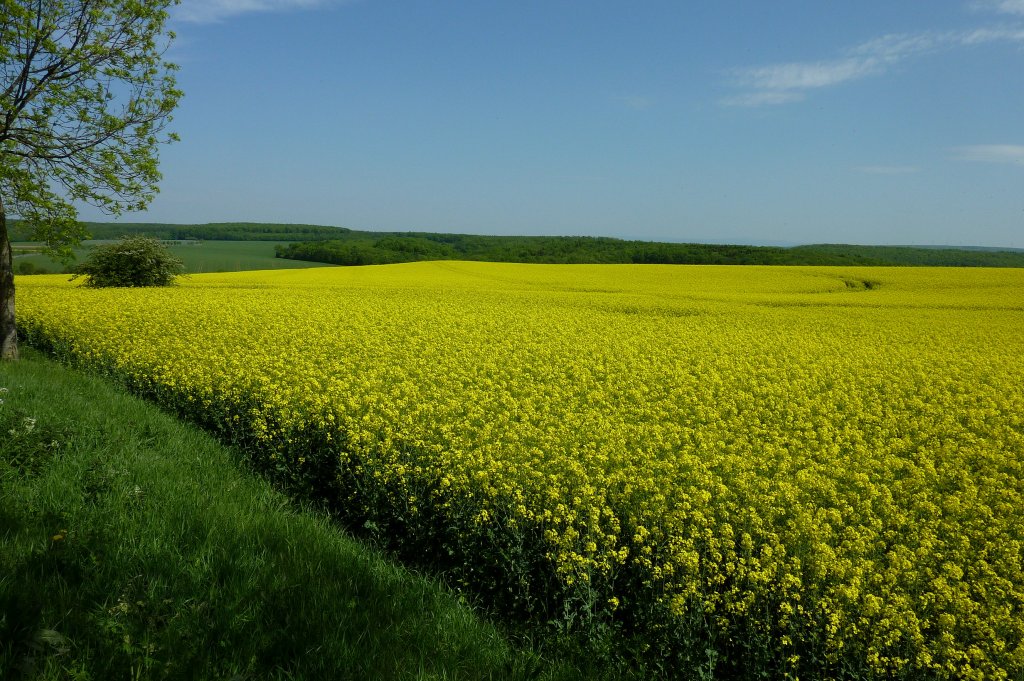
{"points": [[232, 256], [132, 546], [204, 256]]}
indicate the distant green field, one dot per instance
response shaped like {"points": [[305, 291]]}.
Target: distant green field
{"points": [[198, 256], [233, 256]]}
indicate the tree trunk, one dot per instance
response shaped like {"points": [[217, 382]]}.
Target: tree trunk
{"points": [[8, 331]]}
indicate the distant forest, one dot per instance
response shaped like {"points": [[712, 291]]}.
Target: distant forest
{"points": [[214, 231], [368, 248], [340, 246]]}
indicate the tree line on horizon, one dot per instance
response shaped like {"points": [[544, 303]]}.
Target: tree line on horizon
{"points": [[214, 231], [366, 248], [342, 246]]}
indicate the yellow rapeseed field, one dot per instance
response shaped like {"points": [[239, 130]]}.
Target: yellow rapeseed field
{"points": [[800, 470]]}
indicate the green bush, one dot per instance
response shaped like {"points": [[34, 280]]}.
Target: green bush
{"points": [[132, 261], [28, 267]]}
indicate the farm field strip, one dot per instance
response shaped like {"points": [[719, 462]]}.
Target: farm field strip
{"points": [[197, 256], [790, 468]]}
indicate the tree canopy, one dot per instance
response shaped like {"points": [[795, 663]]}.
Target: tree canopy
{"points": [[85, 98]]}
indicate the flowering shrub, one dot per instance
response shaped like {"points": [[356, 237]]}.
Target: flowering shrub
{"points": [[132, 261], [735, 470]]}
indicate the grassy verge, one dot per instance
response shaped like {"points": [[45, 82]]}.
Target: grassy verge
{"points": [[132, 546]]}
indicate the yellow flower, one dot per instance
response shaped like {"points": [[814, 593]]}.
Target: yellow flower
{"points": [[740, 443]]}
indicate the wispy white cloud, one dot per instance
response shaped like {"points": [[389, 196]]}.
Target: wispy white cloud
{"points": [[764, 98], [795, 78], [208, 11], [1001, 6], [980, 36], [790, 82], [991, 153], [888, 170]]}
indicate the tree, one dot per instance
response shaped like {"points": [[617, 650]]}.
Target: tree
{"points": [[132, 261], [85, 98]]}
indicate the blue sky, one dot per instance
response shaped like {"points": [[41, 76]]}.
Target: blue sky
{"points": [[731, 121]]}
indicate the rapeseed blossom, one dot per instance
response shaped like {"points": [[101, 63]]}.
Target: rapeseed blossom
{"points": [[776, 462]]}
